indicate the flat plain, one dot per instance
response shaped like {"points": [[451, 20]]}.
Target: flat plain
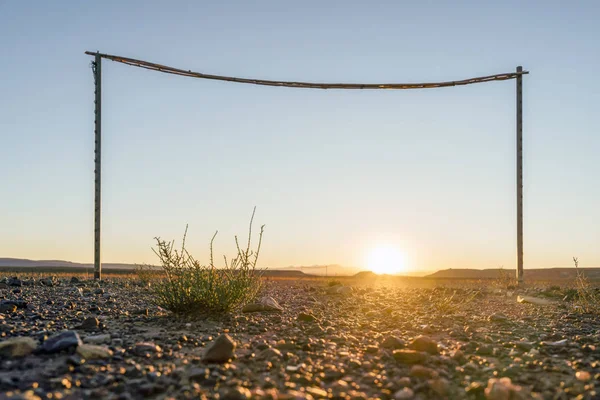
{"points": [[340, 338]]}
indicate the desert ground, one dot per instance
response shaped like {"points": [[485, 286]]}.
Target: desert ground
{"points": [[69, 337]]}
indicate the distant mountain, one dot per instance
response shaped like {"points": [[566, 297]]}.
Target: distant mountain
{"points": [[20, 262], [325, 269], [536, 274]]}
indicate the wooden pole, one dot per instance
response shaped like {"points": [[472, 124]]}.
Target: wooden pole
{"points": [[97, 68], [519, 176]]}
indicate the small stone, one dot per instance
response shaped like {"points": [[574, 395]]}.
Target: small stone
{"points": [[145, 348], [392, 342], [61, 341], [14, 282], [198, 374], [502, 389], [98, 339], [7, 308], [498, 317], [17, 347], [236, 393], [410, 356], [440, 386], [47, 282], [266, 304], [424, 343], [534, 300], [305, 317], [270, 354], [93, 352], [404, 394], [220, 350], [90, 324], [419, 371], [583, 376], [74, 280]]}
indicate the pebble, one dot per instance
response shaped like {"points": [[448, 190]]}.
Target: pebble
{"points": [[94, 352], [306, 317], [220, 350], [17, 347], [266, 304], [98, 339], [146, 348], [404, 394], [410, 356], [61, 341], [424, 343]]}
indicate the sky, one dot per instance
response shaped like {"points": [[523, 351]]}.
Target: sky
{"points": [[333, 174]]}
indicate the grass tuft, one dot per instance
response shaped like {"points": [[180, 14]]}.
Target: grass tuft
{"points": [[586, 300], [189, 287]]}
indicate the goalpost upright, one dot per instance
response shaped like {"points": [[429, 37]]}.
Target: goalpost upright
{"points": [[97, 71]]}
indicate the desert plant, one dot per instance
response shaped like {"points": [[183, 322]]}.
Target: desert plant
{"points": [[586, 299], [189, 286], [147, 274], [505, 280], [444, 302]]}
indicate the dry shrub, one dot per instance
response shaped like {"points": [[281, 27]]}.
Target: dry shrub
{"points": [[190, 287], [586, 299]]}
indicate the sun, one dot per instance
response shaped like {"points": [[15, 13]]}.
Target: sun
{"points": [[386, 260]]}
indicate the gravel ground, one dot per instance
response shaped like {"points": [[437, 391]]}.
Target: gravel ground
{"points": [[71, 339]]}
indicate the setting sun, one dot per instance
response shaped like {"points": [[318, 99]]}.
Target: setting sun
{"points": [[386, 260]]}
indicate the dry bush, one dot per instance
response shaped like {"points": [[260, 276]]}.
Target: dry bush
{"points": [[189, 286], [586, 299], [506, 280], [446, 302]]}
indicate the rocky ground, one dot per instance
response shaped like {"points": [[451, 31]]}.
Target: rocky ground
{"points": [[72, 339]]}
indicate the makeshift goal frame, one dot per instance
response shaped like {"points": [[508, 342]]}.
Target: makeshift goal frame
{"points": [[97, 71]]}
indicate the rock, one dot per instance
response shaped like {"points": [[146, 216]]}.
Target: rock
{"points": [[21, 304], [74, 280], [503, 389], [440, 386], [498, 317], [267, 304], [534, 300], [7, 308], [392, 342], [47, 282], [558, 343], [424, 343], [583, 376], [270, 354], [220, 350], [93, 352], [145, 348], [236, 393], [419, 371], [404, 394], [17, 347], [61, 341], [305, 317], [14, 282], [338, 289], [90, 324], [198, 374], [98, 339], [410, 356]]}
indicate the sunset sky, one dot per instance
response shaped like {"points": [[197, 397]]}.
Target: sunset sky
{"points": [[333, 174]]}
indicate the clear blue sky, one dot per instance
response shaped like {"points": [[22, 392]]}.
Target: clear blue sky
{"points": [[332, 173]]}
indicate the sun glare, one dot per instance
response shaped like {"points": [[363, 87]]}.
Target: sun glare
{"points": [[386, 260]]}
